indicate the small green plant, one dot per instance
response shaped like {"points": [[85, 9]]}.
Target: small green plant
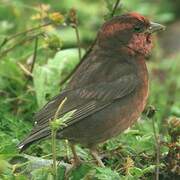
{"points": [[56, 124]]}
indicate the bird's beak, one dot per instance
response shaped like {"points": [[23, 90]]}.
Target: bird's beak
{"points": [[155, 27]]}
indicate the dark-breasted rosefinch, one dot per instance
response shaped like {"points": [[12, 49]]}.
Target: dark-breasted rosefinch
{"points": [[108, 90]]}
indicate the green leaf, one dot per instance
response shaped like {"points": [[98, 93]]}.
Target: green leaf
{"points": [[80, 172], [61, 172], [148, 169], [137, 172], [41, 174], [47, 77], [106, 174]]}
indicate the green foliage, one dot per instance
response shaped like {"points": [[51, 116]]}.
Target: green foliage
{"points": [[106, 174], [80, 172], [131, 155], [47, 77], [61, 122], [161, 11]]}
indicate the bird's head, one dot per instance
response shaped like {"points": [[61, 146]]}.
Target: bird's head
{"points": [[131, 31]]}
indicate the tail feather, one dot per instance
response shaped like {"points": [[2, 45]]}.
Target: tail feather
{"points": [[33, 137]]}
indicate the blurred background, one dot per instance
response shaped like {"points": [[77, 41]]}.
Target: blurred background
{"points": [[39, 49]]}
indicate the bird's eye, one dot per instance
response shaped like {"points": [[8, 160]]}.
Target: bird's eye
{"points": [[138, 29]]}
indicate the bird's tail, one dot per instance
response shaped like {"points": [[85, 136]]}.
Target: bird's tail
{"points": [[34, 136]]}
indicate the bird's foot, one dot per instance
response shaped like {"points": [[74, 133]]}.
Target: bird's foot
{"points": [[76, 160], [75, 163], [97, 158]]}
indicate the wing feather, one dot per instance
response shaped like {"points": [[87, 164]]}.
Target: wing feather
{"points": [[85, 101]]}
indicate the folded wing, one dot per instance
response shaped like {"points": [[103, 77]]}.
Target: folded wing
{"points": [[85, 101]]}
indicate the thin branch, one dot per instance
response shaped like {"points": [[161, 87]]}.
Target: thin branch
{"points": [[17, 44], [59, 108], [157, 145], [78, 41], [14, 46], [22, 33], [33, 60], [53, 138], [25, 70], [171, 95], [74, 23], [115, 8], [34, 55], [54, 153]]}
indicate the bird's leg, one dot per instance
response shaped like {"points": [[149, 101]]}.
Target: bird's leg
{"points": [[75, 163], [96, 157], [77, 160]]}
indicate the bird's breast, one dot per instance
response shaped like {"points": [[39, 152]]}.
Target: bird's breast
{"points": [[125, 111]]}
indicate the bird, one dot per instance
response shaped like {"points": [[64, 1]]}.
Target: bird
{"points": [[107, 92]]}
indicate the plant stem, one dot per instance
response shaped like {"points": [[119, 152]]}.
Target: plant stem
{"points": [[157, 147], [25, 70], [78, 41], [59, 108], [35, 54], [22, 33], [18, 44], [115, 7], [54, 153], [74, 24], [53, 139]]}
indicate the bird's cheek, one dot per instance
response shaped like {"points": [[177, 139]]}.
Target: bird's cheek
{"points": [[149, 38]]}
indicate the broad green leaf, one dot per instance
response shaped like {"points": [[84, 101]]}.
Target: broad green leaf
{"points": [[47, 77], [80, 172]]}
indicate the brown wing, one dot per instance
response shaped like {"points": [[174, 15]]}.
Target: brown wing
{"points": [[85, 101]]}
